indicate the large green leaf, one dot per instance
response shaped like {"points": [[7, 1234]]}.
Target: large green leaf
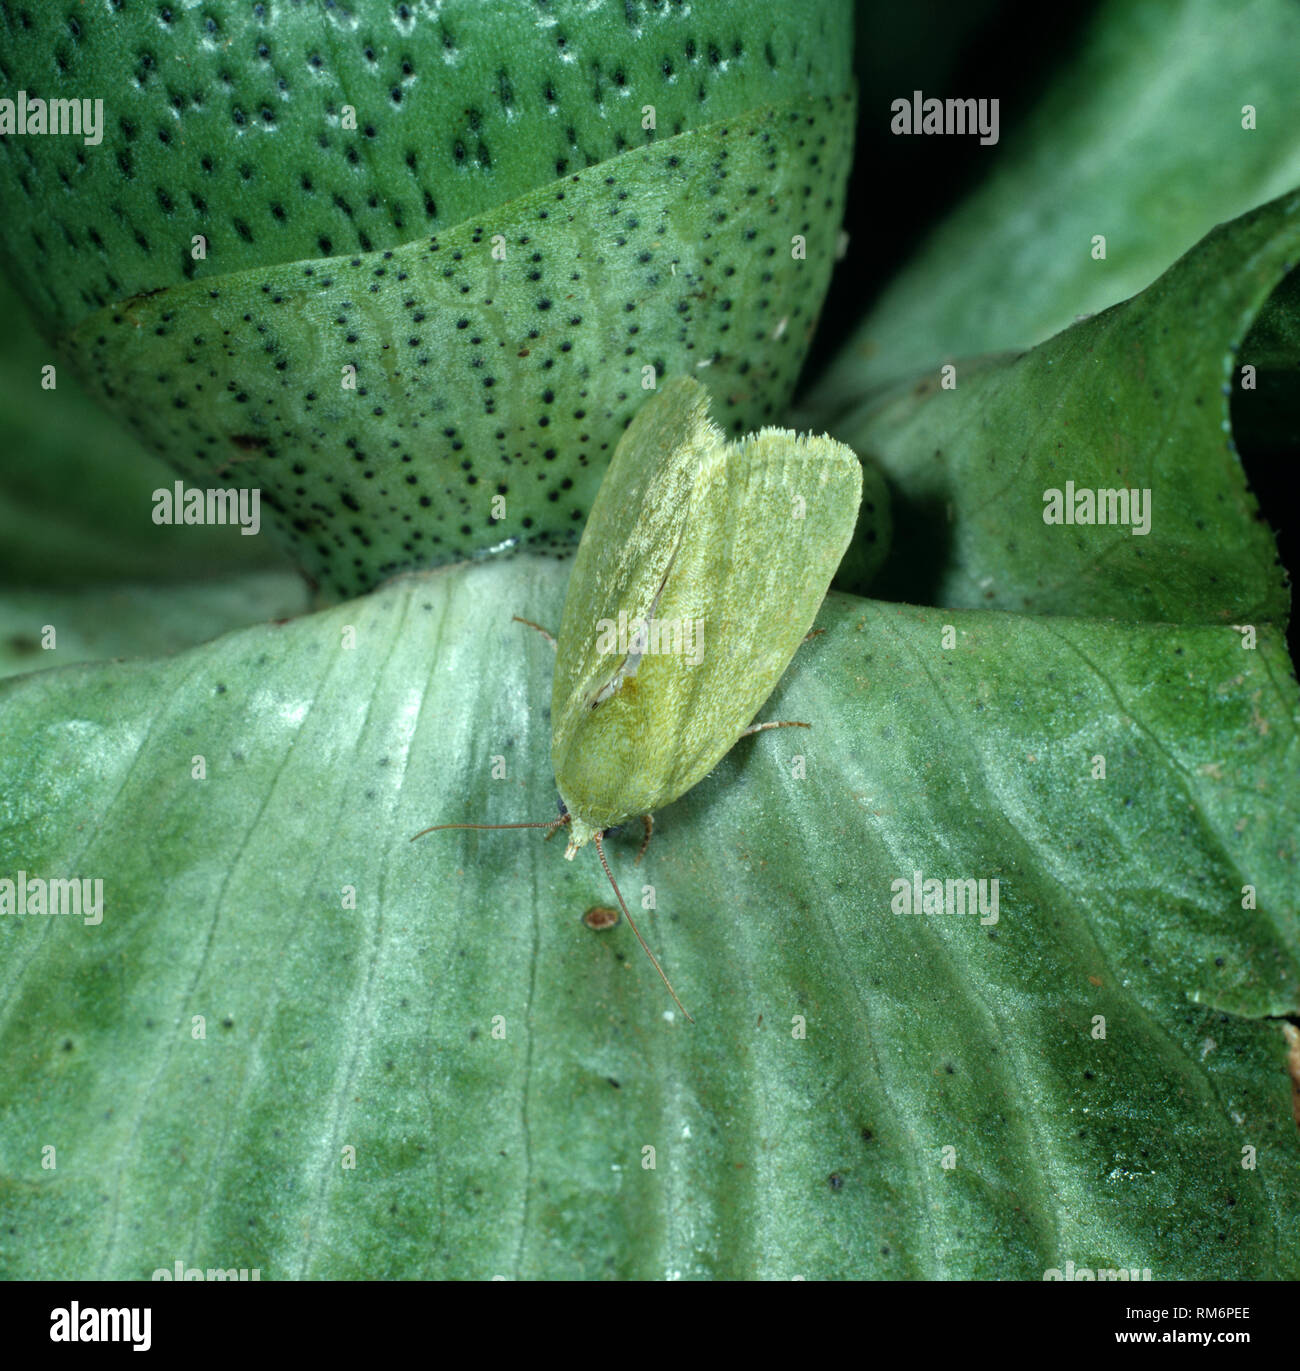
{"points": [[1132, 399], [1141, 139], [45, 628], [501, 1069]]}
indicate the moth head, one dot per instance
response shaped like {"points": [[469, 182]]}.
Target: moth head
{"points": [[580, 834]]}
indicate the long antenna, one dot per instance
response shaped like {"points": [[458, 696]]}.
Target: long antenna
{"points": [[600, 852], [550, 823]]}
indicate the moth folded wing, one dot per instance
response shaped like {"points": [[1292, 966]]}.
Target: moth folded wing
{"points": [[722, 592], [599, 719], [633, 530], [770, 518], [616, 761]]}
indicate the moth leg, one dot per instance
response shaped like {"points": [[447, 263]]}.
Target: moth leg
{"points": [[779, 723], [538, 627], [649, 823]]}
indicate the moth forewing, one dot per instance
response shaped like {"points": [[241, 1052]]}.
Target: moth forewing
{"points": [[631, 537], [768, 526]]}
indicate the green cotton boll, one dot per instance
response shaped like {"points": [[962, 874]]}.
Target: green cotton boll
{"points": [[383, 403], [411, 274], [284, 132]]}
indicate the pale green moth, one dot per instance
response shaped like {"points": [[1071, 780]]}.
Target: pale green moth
{"points": [[712, 558]]}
